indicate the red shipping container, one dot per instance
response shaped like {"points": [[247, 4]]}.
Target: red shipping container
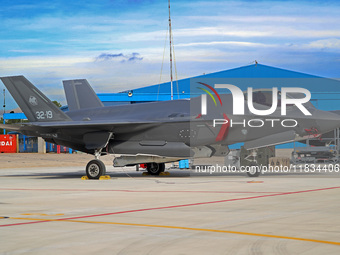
{"points": [[8, 143]]}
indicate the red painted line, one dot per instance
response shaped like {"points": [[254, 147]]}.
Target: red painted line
{"points": [[145, 191], [200, 203], [175, 206]]}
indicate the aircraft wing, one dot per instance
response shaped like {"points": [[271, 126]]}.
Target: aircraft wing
{"points": [[83, 126], [275, 139], [280, 138], [95, 123], [92, 134]]}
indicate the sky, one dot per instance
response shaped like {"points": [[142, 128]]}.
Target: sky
{"points": [[118, 45]]}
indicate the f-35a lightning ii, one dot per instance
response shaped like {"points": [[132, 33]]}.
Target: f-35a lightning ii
{"points": [[158, 132]]}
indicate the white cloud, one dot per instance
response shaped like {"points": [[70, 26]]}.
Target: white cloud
{"points": [[267, 19], [332, 43], [32, 62], [194, 32], [214, 33], [228, 43]]}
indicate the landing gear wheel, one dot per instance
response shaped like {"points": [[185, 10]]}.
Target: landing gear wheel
{"points": [[155, 168], [95, 168], [253, 171]]}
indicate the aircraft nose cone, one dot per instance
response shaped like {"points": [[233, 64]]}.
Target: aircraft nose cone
{"points": [[327, 121]]}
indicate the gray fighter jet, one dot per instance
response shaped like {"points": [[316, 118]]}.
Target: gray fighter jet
{"points": [[158, 132]]}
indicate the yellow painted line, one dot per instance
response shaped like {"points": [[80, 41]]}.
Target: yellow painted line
{"points": [[186, 228], [43, 214]]}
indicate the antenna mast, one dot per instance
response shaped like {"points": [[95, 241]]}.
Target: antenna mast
{"points": [[4, 91], [170, 36]]}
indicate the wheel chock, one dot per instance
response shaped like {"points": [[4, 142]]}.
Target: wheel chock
{"points": [[164, 174], [145, 174], [105, 177]]}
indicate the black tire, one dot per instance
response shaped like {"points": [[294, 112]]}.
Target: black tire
{"points": [[253, 171], [155, 168], [95, 168]]}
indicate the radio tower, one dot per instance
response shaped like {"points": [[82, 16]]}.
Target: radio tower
{"points": [[170, 36]]}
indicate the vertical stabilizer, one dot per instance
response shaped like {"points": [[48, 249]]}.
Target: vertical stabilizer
{"points": [[36, 106], [80, 95]]}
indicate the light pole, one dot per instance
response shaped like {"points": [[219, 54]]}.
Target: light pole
{"points": [[4, 100], [3, 116], [170, 37]]}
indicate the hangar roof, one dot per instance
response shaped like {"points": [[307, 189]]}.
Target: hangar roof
{"points": [[161, 92]]}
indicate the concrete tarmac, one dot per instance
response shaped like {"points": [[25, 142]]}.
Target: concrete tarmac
{"points": [[50, 210]]}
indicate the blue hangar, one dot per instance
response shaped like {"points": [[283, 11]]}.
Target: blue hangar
{"points": [[325, 92]]}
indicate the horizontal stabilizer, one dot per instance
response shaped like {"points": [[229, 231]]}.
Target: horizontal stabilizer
{"points": [[80, 95], [11, 127]]}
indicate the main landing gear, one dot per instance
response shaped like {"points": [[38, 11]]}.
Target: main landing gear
{"points": [[155, 168], [254, 170], [95, 168]]}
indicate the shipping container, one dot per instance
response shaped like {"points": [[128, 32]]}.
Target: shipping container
{"points": [[8, 143]]}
